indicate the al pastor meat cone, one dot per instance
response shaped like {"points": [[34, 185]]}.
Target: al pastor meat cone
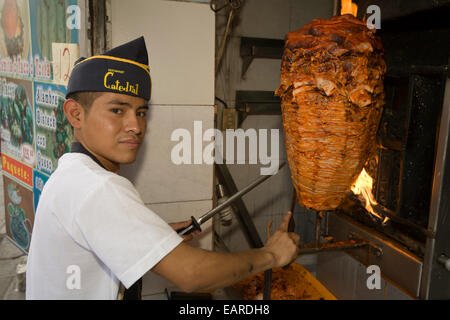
{"points": [[332, 93]]}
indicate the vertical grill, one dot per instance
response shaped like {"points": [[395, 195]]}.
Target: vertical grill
{"points": [[411, 166]]}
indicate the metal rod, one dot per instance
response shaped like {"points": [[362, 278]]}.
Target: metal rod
{"points": [[293, 200], [382, 210], [335, 7], [317, 229], [291, 225], [235, 196], [392, 215], [267, 284], [242, 214], [308, 249], [245, 220]]}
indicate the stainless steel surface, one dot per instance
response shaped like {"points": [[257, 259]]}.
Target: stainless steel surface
{"points": [[347, 279], [396, 263], [437, 196]]}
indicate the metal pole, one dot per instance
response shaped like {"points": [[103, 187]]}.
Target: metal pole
{"points": [[235, 196], [317, 229]]}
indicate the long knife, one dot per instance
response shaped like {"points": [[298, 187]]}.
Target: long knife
{"points": [[196, 223]]}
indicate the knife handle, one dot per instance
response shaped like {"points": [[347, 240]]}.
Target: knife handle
{"points": [[190, 228]]}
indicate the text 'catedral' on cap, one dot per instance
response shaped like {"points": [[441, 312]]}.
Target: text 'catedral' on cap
{"points": [[123, 69]]}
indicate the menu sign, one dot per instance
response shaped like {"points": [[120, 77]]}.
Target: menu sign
{"points": [[16, 114], [19, 215], [15, 50], [38, 47], [53, 131]]}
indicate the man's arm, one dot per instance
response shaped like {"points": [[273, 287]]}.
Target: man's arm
{"points": [[194, 269]]}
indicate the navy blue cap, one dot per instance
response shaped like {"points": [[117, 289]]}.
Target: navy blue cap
{"points": [[123, 69]]}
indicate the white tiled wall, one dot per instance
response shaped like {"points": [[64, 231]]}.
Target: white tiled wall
{"points": [[180, 211], [180, 42]]}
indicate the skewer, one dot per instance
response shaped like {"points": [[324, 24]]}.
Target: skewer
{"points": [[317, 229]]}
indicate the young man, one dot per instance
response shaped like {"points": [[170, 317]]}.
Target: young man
{"points": [[92, 231]]}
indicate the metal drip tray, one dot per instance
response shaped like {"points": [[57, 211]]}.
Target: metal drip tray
{"points": [[396, 263]]}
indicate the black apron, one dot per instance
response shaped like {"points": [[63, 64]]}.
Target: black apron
{"points": [[135, 291]]}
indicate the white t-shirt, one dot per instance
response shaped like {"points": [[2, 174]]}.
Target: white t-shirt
{"points": [[91, 232]]}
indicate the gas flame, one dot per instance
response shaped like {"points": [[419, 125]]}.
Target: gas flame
{"points": [[363, 187], [347, 6]]}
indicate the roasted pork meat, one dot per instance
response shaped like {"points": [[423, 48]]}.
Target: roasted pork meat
{"points": [[293, 283], [332, 93]]}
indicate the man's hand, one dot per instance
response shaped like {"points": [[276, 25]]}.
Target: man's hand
{"points": [[207, 270], [183, 224], [282, 244]]}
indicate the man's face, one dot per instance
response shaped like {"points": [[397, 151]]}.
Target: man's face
{"points": [[114, 127]]}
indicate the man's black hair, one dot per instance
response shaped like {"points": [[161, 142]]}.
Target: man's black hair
{"points": [[85, 98]]}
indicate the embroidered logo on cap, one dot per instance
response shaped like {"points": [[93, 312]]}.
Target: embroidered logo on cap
{"points": [[109, 83]]}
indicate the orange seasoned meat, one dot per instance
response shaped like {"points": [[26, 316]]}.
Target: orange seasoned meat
{"points": [[292, 283], [332, 93]]}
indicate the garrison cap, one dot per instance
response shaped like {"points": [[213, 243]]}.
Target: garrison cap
{"points": [[123, 69]]}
